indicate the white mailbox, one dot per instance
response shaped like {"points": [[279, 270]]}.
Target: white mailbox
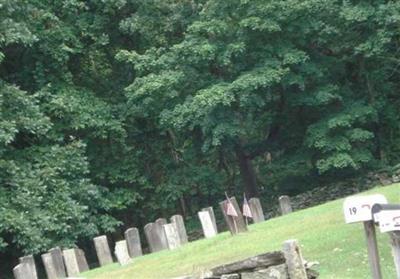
{"points": [[389, 220], [358, 209]]}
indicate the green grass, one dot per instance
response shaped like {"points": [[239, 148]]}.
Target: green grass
{"points": [[339, 248]]}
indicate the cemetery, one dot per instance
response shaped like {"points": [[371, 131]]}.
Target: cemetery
{"points": [[329, 242], [199, 139]]}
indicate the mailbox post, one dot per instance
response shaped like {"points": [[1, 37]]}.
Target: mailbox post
{"points": [[387, 216], [358, 209]]}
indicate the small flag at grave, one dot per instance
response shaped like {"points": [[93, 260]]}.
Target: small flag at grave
{"points": [[246, 208], [230, 209]]}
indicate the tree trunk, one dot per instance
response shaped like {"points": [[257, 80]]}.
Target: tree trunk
{"points": [[247, 172], [183, 206]]}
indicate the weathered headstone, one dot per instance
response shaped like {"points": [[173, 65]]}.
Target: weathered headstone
{"points": [[122, 253], [155, 235], [256, 210], [75, 261], [22, 271], [210, 211], [132, 238], [54, 264], [172, 236], [159, 223], [207, 224], [285, 205], [150, 236], [49, 266], [29, 261], [179, 224], [235, 224], [103, 250], [294, 260], [58, 260]]}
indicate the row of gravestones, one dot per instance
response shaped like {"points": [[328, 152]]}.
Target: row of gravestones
{"points": [[160, 235]]}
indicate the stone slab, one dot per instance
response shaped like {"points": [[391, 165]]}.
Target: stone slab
{"points": [[75, 261], [261, 261], [49, 266], [179, 224], [103, 250], [256, 210], [172, 236], [22, 271], [207, 224], [294, 259], [235, 224], [31, 266], [155, 235], [122, 253], [273, 272], [210, 210], [132, 238], [285, 205], [58, 261]]}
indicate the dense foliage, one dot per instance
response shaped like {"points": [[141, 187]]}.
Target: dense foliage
{"points": [[119, 111]]}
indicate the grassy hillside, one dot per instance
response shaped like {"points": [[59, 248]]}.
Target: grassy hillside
{"points": [[339, 248]]}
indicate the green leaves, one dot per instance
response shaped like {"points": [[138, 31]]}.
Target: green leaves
{"points": [[340, 139]]}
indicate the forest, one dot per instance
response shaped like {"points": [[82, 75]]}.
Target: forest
{"points": [[117, 112]]}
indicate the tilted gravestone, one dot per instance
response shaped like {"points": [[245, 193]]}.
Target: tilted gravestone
{"points": [[29, 261], [207, 224], [150, 236], [132, 238], [256, 210], [236, 224], [179, 224], [121, 252], [75, 261], [210, 211], [57, 256], [54, 264], [103, 250], [155, 235], [172, 236], [285, 205], [23, 271]]}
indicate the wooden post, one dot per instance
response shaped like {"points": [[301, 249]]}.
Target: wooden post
{"points": [[372, 246], [395, 243]]}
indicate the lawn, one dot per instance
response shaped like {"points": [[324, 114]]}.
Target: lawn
{"points": [[339, 248]]}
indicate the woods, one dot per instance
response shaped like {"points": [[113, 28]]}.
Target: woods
{"points": [[117, 112]]}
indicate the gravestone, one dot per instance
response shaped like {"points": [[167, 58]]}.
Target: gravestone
{"points": [[172, 236], [29, 261], [159, 230], [49, 266], [23, 271], [122, 253], [256, 210], [103, 250], [75, 261], [210, 211], [235, 224], [207, 224], [54, 264], [155, 235], [285, 205], [58, 260], [150, 237], [294, 260], [179, 224], [132, 238]]}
